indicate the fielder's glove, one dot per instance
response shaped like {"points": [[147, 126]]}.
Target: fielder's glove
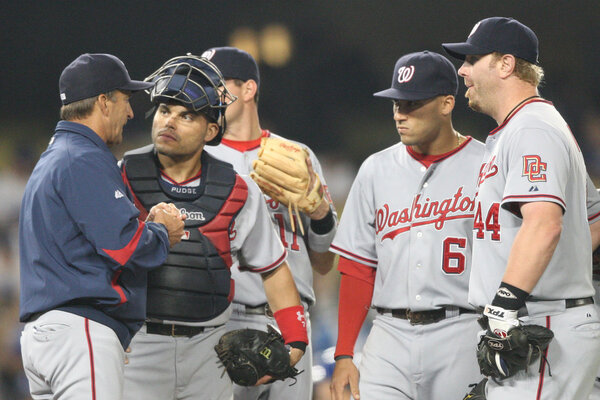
{"points": [[508, 347], [250, 354], [282, 172], [478, 391]]}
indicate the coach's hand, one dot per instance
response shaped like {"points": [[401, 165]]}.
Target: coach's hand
{"points": [[345, 373], [171, 218]]}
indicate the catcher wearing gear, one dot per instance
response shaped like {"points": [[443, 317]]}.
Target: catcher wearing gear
{"points": [[283, 171], [227, 224], [250, 354]]}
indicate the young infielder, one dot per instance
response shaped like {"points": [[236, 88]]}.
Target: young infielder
{"points": [[532, 246], [240, 147], [405, 242]]}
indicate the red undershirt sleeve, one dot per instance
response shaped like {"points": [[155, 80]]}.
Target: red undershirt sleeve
{"points": [[356, 292]]}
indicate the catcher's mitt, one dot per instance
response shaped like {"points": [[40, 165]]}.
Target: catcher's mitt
{"points": [[250, 354], [282, 172], [501, 358], [478, 391]]}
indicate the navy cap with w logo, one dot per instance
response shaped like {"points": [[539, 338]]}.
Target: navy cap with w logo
{"points": [[420, 76]]}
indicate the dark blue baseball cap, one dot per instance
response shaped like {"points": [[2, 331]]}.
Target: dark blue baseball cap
{"points": [[233, 63], [92, 74], [504, 35], [422, 75]]}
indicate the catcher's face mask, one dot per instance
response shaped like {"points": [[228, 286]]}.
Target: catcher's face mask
{"points": [[196, 83]]}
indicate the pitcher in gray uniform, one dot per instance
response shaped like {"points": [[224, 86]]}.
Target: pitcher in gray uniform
{"points": [[240, 146], [227, 225], [532, 245], [405, 248]]}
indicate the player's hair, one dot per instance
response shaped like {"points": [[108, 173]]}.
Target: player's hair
{"points": [[82, 108], [524, 70], [239, 82]]}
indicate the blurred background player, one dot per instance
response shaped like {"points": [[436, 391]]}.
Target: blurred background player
{"points": [[227, 225], [240, 146], [405, 248]]}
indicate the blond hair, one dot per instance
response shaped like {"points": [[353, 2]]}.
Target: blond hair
{"points": [[524, 70]]}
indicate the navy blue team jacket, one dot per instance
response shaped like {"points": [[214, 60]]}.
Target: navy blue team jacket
{"points": [[82, 248]]}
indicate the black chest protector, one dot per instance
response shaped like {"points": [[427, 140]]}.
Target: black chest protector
{"points": [[194, 284]]}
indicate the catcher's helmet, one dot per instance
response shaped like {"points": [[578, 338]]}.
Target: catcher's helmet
{"points": [[196, 83]]}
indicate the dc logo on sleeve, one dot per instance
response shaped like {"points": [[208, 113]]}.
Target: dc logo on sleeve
{"points": [[533, 168], [118, 194]]}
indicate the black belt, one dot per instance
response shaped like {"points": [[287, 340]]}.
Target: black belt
{"points": [[421, 317], [570, 303], [263, 309], [157, 328]]}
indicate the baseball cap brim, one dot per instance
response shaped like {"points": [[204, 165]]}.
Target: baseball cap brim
{"points": [[395, 94], [461, 50], [136, 86]]}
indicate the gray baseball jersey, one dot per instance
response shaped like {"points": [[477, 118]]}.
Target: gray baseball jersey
{"points": [[414, 225], [159, 365], [249, 288], [250, 291], [531, 157], [254, 245]]}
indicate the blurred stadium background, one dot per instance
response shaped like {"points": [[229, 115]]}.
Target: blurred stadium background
{"points": [[320, 63]]}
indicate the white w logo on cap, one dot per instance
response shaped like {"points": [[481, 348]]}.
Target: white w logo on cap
{"points": [[474, 29], [405, 74]]}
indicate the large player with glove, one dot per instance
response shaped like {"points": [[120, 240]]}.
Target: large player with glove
{"points": [[532, 246], [305, 233], [227, 226]]}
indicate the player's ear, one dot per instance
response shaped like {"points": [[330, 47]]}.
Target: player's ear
{"points": [[250, 89], [212, 130], [102, 103], [447, 104], [506, 65]]}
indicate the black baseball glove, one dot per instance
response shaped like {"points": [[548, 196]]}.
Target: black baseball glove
{"points": [[501, 358], [478, 391], [250, 354]]}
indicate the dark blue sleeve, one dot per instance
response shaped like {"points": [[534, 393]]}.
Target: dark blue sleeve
{"points": [[96, 198]]}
